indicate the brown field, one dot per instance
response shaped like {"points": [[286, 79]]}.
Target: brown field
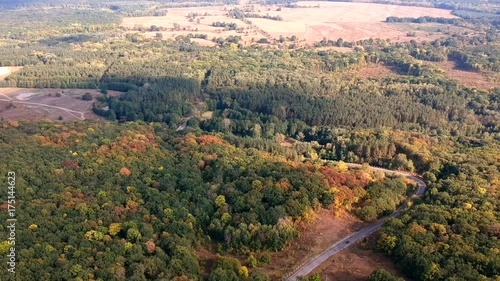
{"points": [[35, 104], [375, 71], [467, 78], [314, 239], [332, 20], [350, 21], [470, 79], [355, 264], [8, 70], [178, 15]]}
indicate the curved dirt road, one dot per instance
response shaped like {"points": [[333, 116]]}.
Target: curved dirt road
{"points": [[69, 111], [347, 241]]}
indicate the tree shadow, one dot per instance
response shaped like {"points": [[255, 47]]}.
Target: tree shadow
{"points": [[80, 38]]}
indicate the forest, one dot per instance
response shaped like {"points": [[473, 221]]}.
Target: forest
{"points": [[213, 158], [138, 201]]}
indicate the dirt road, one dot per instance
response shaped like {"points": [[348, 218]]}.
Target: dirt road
{"points": [[81, 115], [347, 241]]}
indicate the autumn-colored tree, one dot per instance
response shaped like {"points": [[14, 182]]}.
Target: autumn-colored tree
{"points": [[124, 171]]}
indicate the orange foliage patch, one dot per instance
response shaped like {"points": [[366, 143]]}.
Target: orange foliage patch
{"points": [[184, 143], [341, 183], [336, 178], [283, 184], [59, 139], [70, 164], [209, 157], [207, 139], [103, 150], [124, 171], [47, 141], [150, 246], [13, 123], [416, 228], [132, 204], [344, 196], [130, 142]]}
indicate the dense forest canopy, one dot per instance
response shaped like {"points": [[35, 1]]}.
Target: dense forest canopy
{"points": [[229, 150]]}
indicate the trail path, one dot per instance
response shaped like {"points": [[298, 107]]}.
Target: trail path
{"points": [[81, 115], [371, 228]]}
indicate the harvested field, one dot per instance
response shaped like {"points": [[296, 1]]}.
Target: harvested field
{"points": [[376, 71], [35, 104], [200, 25], [350, 21], [331, 20], [471, 79]]}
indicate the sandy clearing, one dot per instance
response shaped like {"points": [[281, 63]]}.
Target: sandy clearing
{"points": [[4, 71], [350, 21], [375, 71], [36, 104], [204, 26], [467, 78], [179, 15], [355, 264], [315, 238], [331, 20], [8, 70], [25, 96]]}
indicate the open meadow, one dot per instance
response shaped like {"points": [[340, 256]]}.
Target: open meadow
{"points": [[52, 104], [202, 24], [310, 22], [355, 264]]}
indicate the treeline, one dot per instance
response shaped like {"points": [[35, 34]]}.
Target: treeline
{"points": [[425, 19], [255, 15], [239, 14], [154, 13], [230, 26], [333, 43], [467, 60]]}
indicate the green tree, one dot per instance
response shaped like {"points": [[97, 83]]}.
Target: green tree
{"points": [[381, 274]]}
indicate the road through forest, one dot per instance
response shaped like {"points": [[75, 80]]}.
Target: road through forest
{"points": [[369, 229]]}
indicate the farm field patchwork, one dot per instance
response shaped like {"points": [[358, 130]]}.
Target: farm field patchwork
{"points": [[310, 22]]}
